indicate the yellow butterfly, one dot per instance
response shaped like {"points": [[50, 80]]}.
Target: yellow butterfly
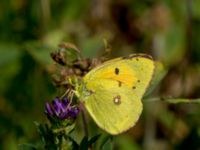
{"points": [[112, 92]]}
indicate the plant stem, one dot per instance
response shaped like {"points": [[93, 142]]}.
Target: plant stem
{"points": [[83, 114], [172, 100]]}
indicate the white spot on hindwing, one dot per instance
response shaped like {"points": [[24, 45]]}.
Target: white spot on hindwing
{"points": [[117, 100]]}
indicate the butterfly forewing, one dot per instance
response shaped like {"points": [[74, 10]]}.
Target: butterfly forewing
{"points": [[135, 71]]}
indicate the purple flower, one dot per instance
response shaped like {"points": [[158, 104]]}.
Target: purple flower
{"points": [[61, 109]]}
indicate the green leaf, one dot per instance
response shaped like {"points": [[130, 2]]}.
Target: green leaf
{"points": [[108, 145], [68, 128], [74, 143], [94, 139], [159, 74], [104, 142], [42, 129], [84, 143]]}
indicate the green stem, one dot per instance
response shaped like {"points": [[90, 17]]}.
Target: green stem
{"points": [[172, 100], [83, 114]]}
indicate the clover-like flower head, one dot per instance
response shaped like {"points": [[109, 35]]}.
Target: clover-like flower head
{"points": [[61, 109]]}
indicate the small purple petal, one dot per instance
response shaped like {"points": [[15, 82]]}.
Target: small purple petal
{"points": [[57, 105], [76, 110], [55, 101], [61, 109], [63, 115], [48, 109], [73, 112], [65, 102]]}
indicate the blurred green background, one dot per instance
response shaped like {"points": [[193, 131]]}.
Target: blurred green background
{"points": [[169, 30]]}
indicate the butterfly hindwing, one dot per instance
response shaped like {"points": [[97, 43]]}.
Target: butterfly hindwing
{"points": [[124, 79], [114, 108]]}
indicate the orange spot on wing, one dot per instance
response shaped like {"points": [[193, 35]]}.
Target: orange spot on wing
{"points": [[125, 76]]}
